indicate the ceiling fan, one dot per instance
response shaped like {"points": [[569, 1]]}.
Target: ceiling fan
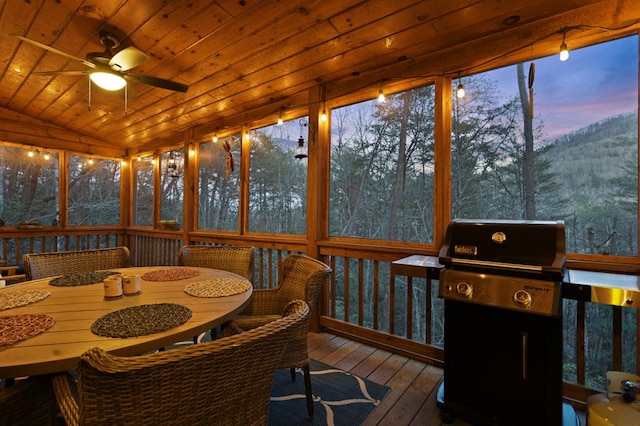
{"points": [[110, 70]]}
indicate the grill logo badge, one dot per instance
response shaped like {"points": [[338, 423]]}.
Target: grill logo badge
{"points": [[498, 237], [468, 250]]}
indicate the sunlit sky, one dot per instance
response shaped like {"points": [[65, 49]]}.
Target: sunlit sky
{"points": [[594, 83]]}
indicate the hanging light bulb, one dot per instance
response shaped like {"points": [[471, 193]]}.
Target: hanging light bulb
{"points": [[323, 115], [381, 97], [280, 121], [460, 91], [215, 138], [31, 153], [564, 50], [46, 156]]}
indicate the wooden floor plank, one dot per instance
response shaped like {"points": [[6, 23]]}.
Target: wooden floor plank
{"points": [[354, 358], [401, 381]]}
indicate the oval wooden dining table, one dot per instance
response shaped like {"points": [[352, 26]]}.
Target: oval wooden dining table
{"points": [[76, 308]]}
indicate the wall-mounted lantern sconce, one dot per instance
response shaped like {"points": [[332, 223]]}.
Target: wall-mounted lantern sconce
{"points": [[301, 151]]}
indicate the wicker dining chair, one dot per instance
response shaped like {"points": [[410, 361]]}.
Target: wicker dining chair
{"points": [[224, 382], [299, 277], [236, 259], [49, 264], [28, 402]]}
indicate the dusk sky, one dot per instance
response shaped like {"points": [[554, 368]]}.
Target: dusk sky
{"points": [[594, 83]]}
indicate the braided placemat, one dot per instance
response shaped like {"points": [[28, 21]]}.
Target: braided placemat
{"points": [[13, 299], [141, 320], [217, 287], [81, 278], [170, 274], [15, 328]]}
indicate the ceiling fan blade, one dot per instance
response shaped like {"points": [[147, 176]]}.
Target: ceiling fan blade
{"points": [[54, 50], [127, 58], [157, 82], [62, 72]]}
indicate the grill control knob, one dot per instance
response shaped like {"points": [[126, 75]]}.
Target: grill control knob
{"points": [[522, 299], [464, 289]]}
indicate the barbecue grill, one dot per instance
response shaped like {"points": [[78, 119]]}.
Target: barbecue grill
{"points": [[501, 284]]}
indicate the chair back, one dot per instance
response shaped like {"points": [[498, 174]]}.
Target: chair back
{"points": [[49, 264], [238, 260], [301, 277], [224, 382]]}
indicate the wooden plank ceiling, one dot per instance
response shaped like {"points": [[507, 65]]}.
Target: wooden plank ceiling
{"points": [[245, 60]]}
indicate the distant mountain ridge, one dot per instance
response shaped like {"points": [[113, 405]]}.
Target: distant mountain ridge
{"points": [[587, 159]]}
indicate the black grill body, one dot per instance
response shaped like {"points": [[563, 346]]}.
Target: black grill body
{"points": [[501, 285]]}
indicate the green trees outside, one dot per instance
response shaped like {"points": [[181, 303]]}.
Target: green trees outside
{"points": [[94, 191], [218, 185], [30, 185], [278, 180]]}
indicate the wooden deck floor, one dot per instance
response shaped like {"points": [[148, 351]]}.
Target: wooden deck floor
{"points": [[412, 398]]}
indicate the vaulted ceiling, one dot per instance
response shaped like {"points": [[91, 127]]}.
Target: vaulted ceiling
{"points": [[245, 60]]}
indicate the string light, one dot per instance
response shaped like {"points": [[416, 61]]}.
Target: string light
{"points": [[564, 50]]}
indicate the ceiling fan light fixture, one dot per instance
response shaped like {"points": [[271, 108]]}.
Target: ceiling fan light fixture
{"points": [[107, 80]]}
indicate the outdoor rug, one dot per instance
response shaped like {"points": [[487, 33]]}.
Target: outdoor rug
{"points": [[340, 398]]}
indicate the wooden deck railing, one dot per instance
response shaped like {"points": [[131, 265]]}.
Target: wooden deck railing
{"points": [[361, 301], [18, 242]]}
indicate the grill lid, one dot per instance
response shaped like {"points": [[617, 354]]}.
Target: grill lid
{"points": [[530, 247]]}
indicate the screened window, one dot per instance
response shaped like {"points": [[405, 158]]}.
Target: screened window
{"points": [[382, 168], [94, 191], [143, 191], [219, 184], [573, 158], [172, 186], [278, 180], [29, 187]]}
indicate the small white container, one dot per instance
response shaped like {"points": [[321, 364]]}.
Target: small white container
{"points": [[112, 286], [131, 284]]}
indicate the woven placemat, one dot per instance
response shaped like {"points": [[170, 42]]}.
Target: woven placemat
{"points": [[15, 328], [170, 274], [217, 287], [13, 299], [81, 278], [141, 320]]}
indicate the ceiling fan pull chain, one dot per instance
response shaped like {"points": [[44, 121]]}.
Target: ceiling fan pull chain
{"points": [[89, 80], [126, 97]]}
